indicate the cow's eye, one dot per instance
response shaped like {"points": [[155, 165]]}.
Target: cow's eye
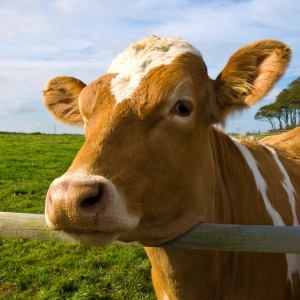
{"points": [[183, 108]]}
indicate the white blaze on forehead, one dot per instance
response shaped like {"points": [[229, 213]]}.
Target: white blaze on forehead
{"points": [[136, 61]]}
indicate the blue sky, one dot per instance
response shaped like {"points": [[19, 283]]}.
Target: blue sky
{"points": [[42, 39]]}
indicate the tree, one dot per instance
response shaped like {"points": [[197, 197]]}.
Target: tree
{"points": [[285, 110], [282, 102], [294, 88], [265, 113]]}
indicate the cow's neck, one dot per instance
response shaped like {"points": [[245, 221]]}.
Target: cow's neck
{"points": [[237, 199], [173, 279]]}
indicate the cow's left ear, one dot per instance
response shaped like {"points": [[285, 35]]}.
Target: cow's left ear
{"points": [[61, 98], [248, 76]]}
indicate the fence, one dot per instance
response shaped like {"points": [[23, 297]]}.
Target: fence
{"points": [[258, 134], [225, 237], [274, 132]]}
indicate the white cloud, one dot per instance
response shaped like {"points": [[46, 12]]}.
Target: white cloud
{"points": [[21, 19], [16, 106]]}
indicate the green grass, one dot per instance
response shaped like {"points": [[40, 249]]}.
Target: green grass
{"points": [[52, 270]]}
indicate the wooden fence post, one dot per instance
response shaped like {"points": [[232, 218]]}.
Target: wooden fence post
{"points": [[223, 237]]}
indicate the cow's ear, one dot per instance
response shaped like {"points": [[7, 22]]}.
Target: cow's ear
{"points": [[61, 98], [248, 76]]}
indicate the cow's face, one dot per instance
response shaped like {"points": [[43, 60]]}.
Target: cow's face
{"points": [[146, 169]]}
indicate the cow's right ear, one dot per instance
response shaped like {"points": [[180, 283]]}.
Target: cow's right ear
{"points": [[61, 98]]}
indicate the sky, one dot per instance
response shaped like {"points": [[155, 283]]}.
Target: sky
{"points": [[42, 39]]}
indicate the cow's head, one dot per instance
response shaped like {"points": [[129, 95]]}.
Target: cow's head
{"points": [[146, 169]]}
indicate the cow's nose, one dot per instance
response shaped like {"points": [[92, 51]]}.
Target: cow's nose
{"points": [[74, 201]]}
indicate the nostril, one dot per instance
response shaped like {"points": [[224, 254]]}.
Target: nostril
{"points": [[92, 201], [90, 204]]}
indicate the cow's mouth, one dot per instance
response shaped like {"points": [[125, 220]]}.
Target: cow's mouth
{"points": [[91, 238]]}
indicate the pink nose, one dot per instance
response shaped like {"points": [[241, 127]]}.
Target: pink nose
{"points": [[76, 201]]}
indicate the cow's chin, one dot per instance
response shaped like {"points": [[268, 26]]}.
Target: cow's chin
{"points": [[97, 238]]}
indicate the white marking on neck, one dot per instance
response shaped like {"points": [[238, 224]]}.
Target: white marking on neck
{"points": [[260, 183], [135, 62], [293, 260], [287, 184]]}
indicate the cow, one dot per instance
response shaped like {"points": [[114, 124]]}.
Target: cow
{"points": [[154, 165], [288, 141]]}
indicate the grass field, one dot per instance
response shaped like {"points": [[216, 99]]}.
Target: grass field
{"points": [[52, 270]]}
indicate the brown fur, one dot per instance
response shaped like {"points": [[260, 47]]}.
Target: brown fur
{"points": [[64, 90], [249, 75], [174, 173], [288, 141]]}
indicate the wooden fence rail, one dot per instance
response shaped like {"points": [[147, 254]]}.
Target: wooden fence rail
{"points": [[249, 238]]}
